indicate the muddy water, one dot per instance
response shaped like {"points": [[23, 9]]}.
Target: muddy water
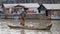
{"points": [[4, 29]]}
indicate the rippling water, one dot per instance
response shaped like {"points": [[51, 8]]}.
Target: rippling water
{"points": [[4, 29]]}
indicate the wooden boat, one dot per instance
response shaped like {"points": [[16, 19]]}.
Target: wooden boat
{"points": [[31, 28]]}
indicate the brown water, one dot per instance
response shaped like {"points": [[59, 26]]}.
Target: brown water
{"points": [[4, 29]]}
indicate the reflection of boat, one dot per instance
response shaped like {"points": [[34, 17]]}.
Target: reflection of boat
{"points": [[56, 17]]}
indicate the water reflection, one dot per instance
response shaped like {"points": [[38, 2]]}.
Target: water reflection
{"points": [[56, 26], [37, 32]]}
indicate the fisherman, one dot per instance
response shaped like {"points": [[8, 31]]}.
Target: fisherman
{"points": [[22, 18]]}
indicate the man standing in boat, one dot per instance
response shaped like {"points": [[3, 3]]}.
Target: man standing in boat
{"points": [[22, 18]]}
